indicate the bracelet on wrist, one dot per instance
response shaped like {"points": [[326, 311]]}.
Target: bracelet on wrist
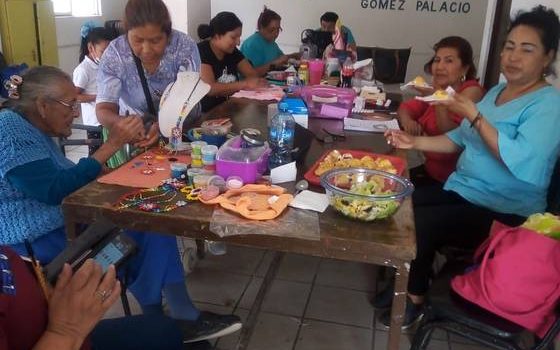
{"points": [[476, 119]]}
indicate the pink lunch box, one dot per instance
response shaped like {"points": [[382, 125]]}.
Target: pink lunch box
{"points": [[247, 163], [328, 101]]}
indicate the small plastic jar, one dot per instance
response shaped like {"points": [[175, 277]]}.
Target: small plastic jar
{"points": [[197, 147], [200, 181], [234, 182], [192, 172], [178, 170], [209, 154]]}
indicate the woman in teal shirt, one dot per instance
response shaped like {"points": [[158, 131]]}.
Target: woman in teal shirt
{"points": [[510, 142], [261, 48]]}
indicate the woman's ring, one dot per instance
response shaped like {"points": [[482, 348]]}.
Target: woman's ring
{"points": [[103, 294]]}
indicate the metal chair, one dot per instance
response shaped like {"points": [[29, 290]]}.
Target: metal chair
{"points": [[389, 65], [64, 141]]}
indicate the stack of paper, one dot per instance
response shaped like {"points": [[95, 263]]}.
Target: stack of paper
{"points": [[372, 125]]}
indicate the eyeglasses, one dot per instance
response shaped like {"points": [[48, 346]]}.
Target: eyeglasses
{"points": [[74, 106]]}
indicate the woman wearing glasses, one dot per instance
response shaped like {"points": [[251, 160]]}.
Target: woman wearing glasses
{"points": [[261, 48], [35, 177]]}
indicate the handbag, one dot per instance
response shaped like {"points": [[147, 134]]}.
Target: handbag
{"points": [[518, 277]]}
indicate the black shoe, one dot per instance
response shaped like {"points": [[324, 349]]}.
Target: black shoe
{"points": [[384, 299], [199, 345], [208, 326], [412, 315]]}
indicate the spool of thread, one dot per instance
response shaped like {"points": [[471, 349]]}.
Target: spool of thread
{"points": [[178, 171]]}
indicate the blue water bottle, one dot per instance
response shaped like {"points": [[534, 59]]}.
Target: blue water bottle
{"points": [[281, 137]]}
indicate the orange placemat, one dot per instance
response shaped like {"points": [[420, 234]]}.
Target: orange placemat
{"points": [[131, 173]]}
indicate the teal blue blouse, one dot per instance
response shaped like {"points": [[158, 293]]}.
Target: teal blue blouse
{"points": [[529, 144], [260, 51]]}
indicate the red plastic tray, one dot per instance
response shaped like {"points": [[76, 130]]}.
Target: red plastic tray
{"points": [[398, 163]]}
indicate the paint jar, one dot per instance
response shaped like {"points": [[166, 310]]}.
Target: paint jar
{"points": [[218, 181], [179, 171]]}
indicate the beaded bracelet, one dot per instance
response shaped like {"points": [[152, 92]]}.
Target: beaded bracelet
{"points": [[476, 119]]}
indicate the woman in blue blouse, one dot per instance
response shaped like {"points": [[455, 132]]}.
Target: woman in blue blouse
{"points": [[162, 52], [261, 48], [510, 142], [35, 177]]}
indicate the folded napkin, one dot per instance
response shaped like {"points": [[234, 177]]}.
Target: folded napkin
{"points": [[309, 200]]}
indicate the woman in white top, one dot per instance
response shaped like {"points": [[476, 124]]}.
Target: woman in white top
{"points": [[94, 41]]}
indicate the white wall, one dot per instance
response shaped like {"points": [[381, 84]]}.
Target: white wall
{"points": [[371, 27], [199, 13], [527, 5], [178, 11], [68, 32]]}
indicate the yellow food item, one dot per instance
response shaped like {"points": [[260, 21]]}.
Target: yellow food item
{"points": [[419, 80], [336, 160], [441, 94]]}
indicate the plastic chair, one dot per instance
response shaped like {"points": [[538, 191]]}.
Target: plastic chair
{"points": [[450, 312], [389, 65]]}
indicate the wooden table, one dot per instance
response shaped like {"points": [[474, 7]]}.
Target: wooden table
{"points": [[388, 242]]}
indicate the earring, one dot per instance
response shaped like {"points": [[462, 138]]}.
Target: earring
{"points": [[463, 78]]}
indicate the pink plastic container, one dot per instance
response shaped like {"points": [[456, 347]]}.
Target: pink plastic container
{"points": [[328, 101], [247, 163], [316, 69]]}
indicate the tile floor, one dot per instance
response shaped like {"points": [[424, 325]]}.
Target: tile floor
{"points": [[313, 303]]}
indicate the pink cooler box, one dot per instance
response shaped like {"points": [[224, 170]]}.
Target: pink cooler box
{"points": [[247, 163], [328, 101]]}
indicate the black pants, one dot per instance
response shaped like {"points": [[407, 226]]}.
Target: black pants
{"points": [[444, 218]]}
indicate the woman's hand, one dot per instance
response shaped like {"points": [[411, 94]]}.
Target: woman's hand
{"points": [[399, 139], [255, 83], [411, 126], [151, 138], [125, 130], [280, 61], [460, 105], [80, 300]]}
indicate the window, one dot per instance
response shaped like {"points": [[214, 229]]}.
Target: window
{"points": [[77, 8]]}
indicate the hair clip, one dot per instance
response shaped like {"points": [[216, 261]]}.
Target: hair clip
{"points": [[12, 86], [86, 28]]}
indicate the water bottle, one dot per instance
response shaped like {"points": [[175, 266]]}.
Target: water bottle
{"points": [[281, 137], [347, 73]]}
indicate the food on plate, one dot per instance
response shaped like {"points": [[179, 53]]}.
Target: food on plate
{"points": [[440, 95], [419, 81], [336, 160]]}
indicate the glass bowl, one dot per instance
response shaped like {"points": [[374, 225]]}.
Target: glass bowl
{"points": [[365, 194]]}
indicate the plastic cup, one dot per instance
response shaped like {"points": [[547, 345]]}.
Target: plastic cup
{"points": [[200, 181], [316, 69], [234, 182]]}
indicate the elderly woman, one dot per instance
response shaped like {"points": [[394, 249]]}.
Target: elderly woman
{"points": [[510, 142], [452, 65], [35, 177], [150, 48], [261, 48], [222, 62]]}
